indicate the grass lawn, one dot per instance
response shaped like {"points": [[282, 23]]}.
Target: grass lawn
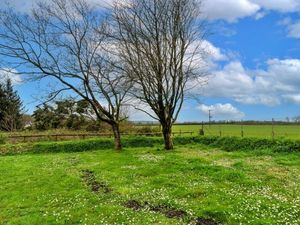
{"points": [[190, 185]]}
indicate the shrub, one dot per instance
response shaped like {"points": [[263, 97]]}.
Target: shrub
{"points": [[250, 144], [225, 143], [201, 132], [148, 130], [2, 139]]}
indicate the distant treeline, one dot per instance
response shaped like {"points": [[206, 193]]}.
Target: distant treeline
{"points": [[246, 122], [249, 122]]}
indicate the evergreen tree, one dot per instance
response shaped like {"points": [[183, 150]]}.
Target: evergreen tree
{"points": [[44, 118], [3, 102], [10, 108], [69, 114]]}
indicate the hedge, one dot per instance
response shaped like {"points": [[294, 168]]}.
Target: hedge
{"points": [[224, 143]]}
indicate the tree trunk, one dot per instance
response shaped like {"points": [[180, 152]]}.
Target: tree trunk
{"points": [[167, 133], [117, 136]]}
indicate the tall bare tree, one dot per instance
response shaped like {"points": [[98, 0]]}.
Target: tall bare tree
{"points": [[160, 43], [64, 40]]}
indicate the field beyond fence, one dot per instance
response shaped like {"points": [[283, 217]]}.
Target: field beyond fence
{"points": [[290, 131], [222, 130], [18, 138]]}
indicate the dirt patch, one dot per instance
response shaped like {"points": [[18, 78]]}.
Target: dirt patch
{"points": [[168, 211], [133, 204], [204, 221], [95, 186], [163, 209], [175, 213]]}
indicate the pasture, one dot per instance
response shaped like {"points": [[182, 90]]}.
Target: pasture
{"points": [[291, 132], [260, 131], [194, 184]]}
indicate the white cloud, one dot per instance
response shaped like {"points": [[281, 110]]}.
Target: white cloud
{"points": [[20, 5], [279, 5], [279, 82], [229, 10], [285, 72], [285, 22], [292, 27], [233, 10], [6, 73], [26, 5], [137, 115], [214, 53], [294, 30], [260, 15], [222, 111], [293, 98]]}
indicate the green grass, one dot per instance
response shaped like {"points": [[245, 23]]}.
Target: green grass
{"points": [[230, 187], [260, 131], [224, 143]]}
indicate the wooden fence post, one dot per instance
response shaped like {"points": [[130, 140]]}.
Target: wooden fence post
{"points": [[242, 130], [273, 132]]}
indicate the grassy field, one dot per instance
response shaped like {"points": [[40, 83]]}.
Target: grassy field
{"points": [[260, 131], [193, 184]]}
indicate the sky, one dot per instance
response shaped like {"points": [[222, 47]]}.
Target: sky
{"points": [[254, 69]]}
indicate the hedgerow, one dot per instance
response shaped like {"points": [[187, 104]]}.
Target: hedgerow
{"points": [[250, 144], [224, 143]]}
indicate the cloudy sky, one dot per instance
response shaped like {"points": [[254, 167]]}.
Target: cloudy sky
{"points": [[255, 62]]}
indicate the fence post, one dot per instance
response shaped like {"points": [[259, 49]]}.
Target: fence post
{"points": [[273, 132], [201, 132], [242, 130]]}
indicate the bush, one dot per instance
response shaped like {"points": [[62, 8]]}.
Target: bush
{"points": [[250, 144], [225, 143], [201, 132], [148, 130], [96, 144], [2, 139], [92, 127]]}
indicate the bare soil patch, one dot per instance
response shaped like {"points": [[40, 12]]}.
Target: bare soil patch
{"points": [[95, 186]]}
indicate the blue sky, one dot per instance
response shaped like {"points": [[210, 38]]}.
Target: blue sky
{"points": [[254, 65]]}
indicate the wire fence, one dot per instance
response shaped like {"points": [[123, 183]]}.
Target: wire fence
{"points": [[274, 128], [82, 136], [267, 129]]}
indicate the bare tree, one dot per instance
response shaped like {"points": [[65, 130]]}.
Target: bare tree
{"points": [[160, 43], [64, 40]]}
